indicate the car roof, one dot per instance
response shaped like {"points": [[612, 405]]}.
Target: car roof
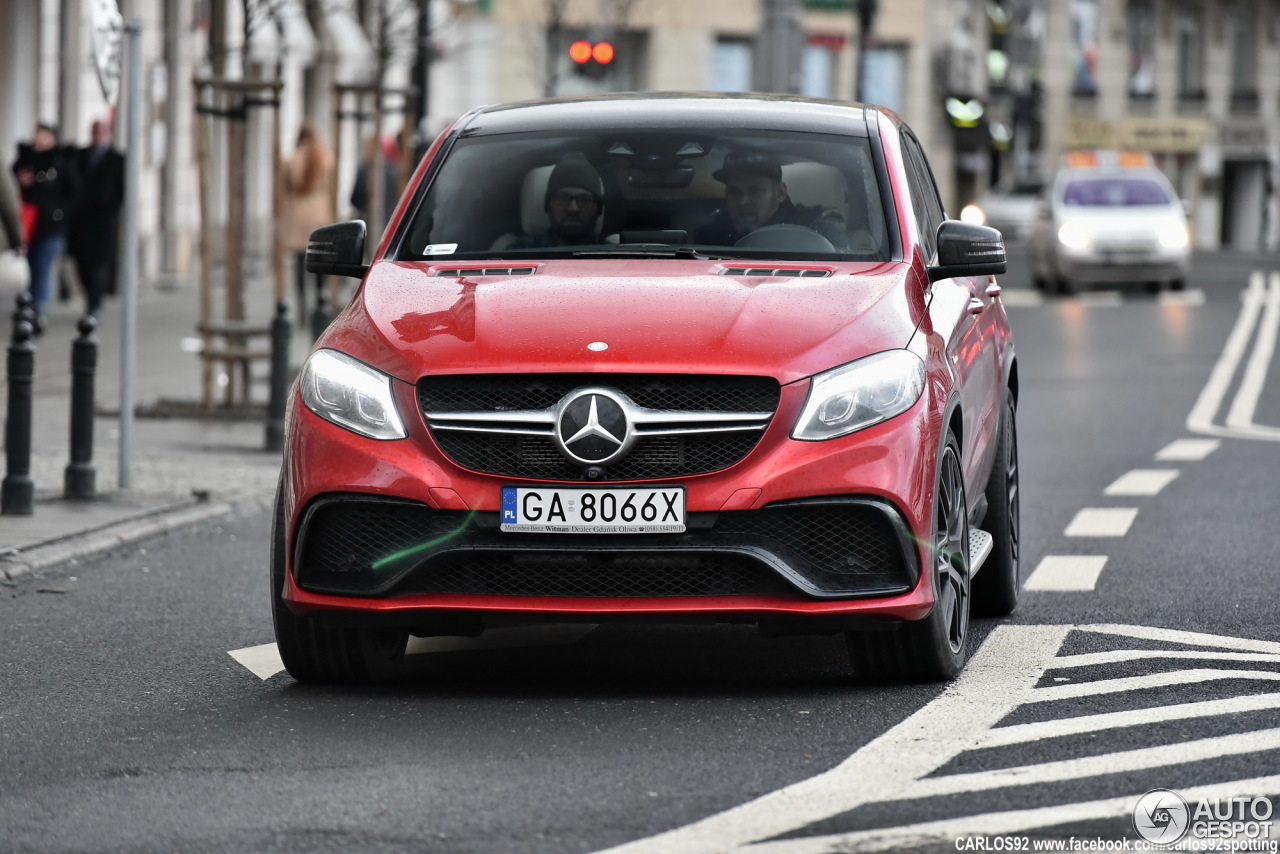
{"points": [[667, 110]]}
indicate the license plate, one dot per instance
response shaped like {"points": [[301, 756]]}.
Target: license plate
{"points": [[640, 510]]}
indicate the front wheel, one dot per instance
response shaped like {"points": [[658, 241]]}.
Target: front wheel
{"points": [[995, 588], [935, 648], [314, 652]]}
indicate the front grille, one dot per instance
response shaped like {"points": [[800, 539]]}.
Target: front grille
{"points": [[367, 546], [515, 453], [677, 392], [536, 457]]}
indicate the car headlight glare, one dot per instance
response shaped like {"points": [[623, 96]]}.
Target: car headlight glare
{"points": [[855, 396], [973, 214], [351, 394], [1074, 235], [1174, 236]]}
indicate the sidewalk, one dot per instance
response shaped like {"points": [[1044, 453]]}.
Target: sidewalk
{"points": [[183, 469]]}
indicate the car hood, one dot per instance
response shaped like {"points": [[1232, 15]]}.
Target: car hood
{"points": [[1118, 224], [671, 316]]}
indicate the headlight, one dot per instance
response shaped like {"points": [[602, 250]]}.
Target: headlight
{"points": [[855, 396], [973, 214], [1074, 235], [351, 394], [1174, 236]]}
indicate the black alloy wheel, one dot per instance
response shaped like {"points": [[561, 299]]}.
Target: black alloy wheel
{"points": [[935, 648], [995, 587]]}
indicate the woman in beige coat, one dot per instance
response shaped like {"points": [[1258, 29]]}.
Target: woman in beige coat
{"points": [[309, 175]]}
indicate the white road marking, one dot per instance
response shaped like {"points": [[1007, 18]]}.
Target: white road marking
{"points": [[998, 823], [1022, 299], [1200, 419], [1147, 682], [1191, 296], [1059, 727], [1093, 659], [1102, 522], [1006, 666], [896, 766], [1142, 482], [1067, 572], [1240, 415], [263, 661], [1187, 450]]}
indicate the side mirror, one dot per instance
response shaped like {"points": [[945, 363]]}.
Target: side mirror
{"points": [[338, 249], [965, 249]]}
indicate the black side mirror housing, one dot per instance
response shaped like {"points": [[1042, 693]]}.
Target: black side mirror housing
{"points": [[965, 249], [338, 249]]}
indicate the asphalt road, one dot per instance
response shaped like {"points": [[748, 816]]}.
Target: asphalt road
{"points": [[125, 725]]}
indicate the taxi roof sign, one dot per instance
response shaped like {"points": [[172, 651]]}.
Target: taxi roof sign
{"points": [[1097, 159]]}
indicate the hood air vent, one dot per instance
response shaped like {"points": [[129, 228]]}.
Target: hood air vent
{"points": [[795, 272], [485, 271]]}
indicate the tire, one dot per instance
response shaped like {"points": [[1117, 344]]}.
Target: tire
{"points": [[935, 648], [1178, 285], [995, 587], [314, 652], [1040, 283], [1065, 286]]}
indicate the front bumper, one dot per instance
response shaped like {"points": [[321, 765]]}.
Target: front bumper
{"points": [[1100, 267], [394, 530]]}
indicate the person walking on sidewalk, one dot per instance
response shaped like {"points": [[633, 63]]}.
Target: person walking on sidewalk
{"points": [[48, 185], [93, 234], [309, 181]]}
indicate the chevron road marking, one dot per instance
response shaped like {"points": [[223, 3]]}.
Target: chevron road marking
{"points": [[1002, 676]]}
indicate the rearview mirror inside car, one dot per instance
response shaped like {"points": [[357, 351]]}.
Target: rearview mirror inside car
{"points": [[965, 249], [338, 249]]}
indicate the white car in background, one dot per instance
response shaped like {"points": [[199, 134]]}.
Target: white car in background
{"points": [[1010, 208], [1111, 223]]}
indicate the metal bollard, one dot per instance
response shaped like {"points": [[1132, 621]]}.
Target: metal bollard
{"points": [[17, 493], [322, 316], [25, 310], [279, 378], [79, 478]]}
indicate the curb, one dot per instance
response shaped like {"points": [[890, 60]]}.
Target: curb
{"points": [[114, 535]]}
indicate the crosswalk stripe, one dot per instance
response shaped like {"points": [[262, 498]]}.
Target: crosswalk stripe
{"points": [[1054, 693], [1067, 572], [1142, 482]]}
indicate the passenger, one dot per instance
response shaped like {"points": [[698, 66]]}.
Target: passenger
{"points": [[756, 196], [573, 202]]}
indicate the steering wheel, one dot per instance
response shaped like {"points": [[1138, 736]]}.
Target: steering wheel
{"points": [[784, 237]]}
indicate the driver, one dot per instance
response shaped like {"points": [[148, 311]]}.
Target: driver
{"points": [[572, 203], [755, 197]]}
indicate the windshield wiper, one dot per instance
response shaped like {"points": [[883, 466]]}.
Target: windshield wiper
{"points": [[648, 250]]}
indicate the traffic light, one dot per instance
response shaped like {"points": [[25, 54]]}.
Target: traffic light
{"points": [[591, 60]]}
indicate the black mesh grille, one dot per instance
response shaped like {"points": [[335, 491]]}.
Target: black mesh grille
{"points": [[369, 546], [651, 458], [660, 457], [682, 392]]}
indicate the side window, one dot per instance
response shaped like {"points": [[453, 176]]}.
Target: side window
{"points": [[923, 196]]}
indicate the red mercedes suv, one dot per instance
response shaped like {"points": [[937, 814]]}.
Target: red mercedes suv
{"points": [[657, 356]]}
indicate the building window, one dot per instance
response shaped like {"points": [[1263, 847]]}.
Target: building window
{"points": [[1244, 50], [1084, 45], [1142, 56], [731, 66], [1190, 51], [818, 66], [882, 82]]}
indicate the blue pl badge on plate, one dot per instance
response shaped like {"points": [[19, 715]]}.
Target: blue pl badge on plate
{"points": [[509, 504]]}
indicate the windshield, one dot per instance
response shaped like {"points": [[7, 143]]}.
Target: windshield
{"points": [[1115, 192], [668, 193]]}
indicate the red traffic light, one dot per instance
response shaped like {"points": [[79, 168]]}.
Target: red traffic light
{"points": [[602, 53], [580, 52]]}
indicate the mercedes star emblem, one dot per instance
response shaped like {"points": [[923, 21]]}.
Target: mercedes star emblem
{"points": [[592, 427]]}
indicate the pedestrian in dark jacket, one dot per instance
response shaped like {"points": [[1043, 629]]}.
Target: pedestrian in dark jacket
{"points": [[94, 231], [48, 184]]}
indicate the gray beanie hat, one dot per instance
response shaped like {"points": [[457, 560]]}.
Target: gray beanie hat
{"points": [[573, 170]]}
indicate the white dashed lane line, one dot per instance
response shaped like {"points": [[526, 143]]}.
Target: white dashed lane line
{"points": [[1102, 522], [1187, 450], [1142, 482], [1067, 572]]}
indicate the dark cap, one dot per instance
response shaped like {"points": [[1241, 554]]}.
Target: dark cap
{"points": [[573, 170], [749, 163]]}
